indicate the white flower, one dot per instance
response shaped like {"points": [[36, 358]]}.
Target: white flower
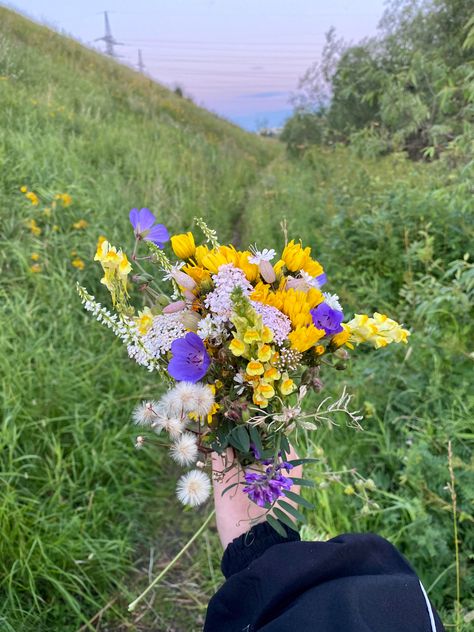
{"points": [[185, 450], [193, 488], [175, 268], [261, 255], [212, 329], [309, 280], [172, 425], [145, 414], [332, 300], [186, 398], [240, 381]]}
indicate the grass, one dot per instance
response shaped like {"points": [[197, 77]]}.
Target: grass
{"points": [[85, 519]]}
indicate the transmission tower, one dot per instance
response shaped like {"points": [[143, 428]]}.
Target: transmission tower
{"points": [[109, 39], [141, 65]]}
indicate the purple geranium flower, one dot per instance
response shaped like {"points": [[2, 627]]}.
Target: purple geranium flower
{"points": [[143, 222], [267, 487], [324, 317], [321, 279], [190, 359]]}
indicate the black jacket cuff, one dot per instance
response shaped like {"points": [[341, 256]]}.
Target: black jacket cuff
{"points": [[252, 544]]}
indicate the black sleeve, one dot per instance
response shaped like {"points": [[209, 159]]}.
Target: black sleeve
{"points": [[352, 583]]}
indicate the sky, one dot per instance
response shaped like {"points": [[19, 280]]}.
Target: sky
{"points": [[239, 58]]}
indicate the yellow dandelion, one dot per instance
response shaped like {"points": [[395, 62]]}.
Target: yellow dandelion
{"points": [[35, 256], [35, 268], [34, 228], [80, 224], [78, 263]]}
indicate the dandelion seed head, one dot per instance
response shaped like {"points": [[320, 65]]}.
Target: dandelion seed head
{"points": [[193, 488], [145, 414], [184, 450], [173, 426]]}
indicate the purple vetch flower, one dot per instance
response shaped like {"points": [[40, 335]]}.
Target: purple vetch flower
{"points": [[324, 317], [267, 487], [143, 222], [190, 359]]}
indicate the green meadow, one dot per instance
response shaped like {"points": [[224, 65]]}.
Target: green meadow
{"points": [[86, 520]]}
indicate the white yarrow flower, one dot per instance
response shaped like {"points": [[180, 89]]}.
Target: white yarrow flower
{"points": [[185, 450], [145, 414], [261, 255], [333, 301], [193, 488]]}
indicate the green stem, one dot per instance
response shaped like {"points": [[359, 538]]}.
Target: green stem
{"points": [[133, 605]]}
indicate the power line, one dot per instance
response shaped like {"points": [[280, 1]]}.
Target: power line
{"points": [[141, 65], [109, 39]]}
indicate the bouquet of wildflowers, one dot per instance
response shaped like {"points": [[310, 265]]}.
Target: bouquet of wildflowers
{"points": [[240, 338]]}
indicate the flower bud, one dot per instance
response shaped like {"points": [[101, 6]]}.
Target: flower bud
{"points": [[172, 308], [183, 280], [190, 320], [267, 271]]}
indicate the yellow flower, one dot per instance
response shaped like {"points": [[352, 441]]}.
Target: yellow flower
{"points": [[272, 374], [237, 347], [342, 338], [47, 212], [55, 228], [296, 304], [349, 490], [254, 367], [295, 257], [35, 268], [265, 390], [259, 400], [379, 330], [287, 385], [313, 268], [65, 199], [33, 226], [319, 350], [303, 338], [250, 270], [183, 245], [144, 320], [200, 253], [79, 225], [116, 268], [214, 259], [78, 263], [35, 256], [24, 189], [362, 328], [198, 274], [267, 334], [251, 336], [264, 353], [32, 197]]}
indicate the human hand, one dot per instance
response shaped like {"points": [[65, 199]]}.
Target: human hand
{"points": [[235, 512]]}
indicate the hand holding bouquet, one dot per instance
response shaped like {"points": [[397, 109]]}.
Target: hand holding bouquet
{"points": [[240, 338]]}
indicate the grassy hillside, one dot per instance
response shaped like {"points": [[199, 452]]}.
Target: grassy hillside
{"points": [[84, 517]]}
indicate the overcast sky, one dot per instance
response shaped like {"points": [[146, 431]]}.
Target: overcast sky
{"points": [[239, 58]]}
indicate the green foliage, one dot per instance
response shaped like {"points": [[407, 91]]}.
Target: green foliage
{"points": [[412, 84]]}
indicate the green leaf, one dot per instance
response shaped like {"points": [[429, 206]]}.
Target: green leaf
{"points": [[299, 499], [301, 461], [285, 518], [244, 438], [284, 444], [229, 487], [234, 441], [304, 482], [277, 526], [256, 440], [292, 510]]}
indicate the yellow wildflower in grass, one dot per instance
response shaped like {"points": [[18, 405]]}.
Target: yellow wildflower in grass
{"points": [[36, 267], [183, 245], [303, 338], [32, 197], [144, 320], [78, 263], [35, 256], [80, 224], [55, 228], [34, 228], [24, 189], [64, 198]]}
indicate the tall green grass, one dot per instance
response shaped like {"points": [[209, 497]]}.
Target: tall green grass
{"points": [[85, 519]]}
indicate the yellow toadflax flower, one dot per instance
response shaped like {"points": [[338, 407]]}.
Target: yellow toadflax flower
{"points": [[35, 256], [64, 198], [183, 245], [379, 330], [32, 197], [144, 320], [78, 263], [116, 268], [33, 226]]}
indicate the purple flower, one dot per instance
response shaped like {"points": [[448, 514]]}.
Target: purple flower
{"points": [[143, 222], [324, 317], [267, 487], [190, 359], [321, 279]]}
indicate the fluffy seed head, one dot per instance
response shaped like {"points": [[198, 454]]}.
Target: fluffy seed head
{"points": [[184, 450], [187, 397], [193, 488], [145, 414], [172, 425]]}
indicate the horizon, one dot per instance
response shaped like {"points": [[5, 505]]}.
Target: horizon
{"points": [[240, 61]]}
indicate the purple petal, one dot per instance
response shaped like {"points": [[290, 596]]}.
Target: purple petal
{"points": [[195, 342], [159, 235], [134, 217], [321, 279], [146, 219]]}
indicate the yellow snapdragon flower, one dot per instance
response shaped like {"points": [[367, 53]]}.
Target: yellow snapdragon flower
{"points": [[116, 268], [379, 330], [144, 320]]}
